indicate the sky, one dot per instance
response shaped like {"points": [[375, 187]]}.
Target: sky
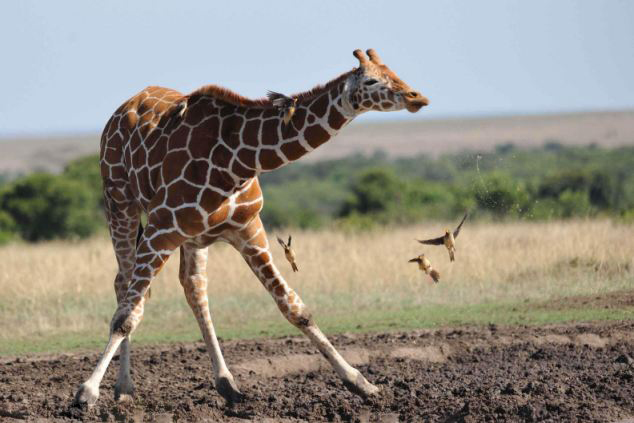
{"points": [[65, 66]]}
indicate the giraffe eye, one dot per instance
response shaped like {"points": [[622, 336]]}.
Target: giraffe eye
{"points": [[370, 82]]}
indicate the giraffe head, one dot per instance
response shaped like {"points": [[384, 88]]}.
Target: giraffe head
{"points": [[374, 86]]}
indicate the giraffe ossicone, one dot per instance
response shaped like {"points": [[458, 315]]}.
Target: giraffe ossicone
{"points": [[190, 163]]}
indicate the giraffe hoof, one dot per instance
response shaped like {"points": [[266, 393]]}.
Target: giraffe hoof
{"points": [[86, 396], [124, 392], [361, 387], [228, 389]]}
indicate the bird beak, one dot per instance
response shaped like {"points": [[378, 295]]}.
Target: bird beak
{"points": [[413, 260]]}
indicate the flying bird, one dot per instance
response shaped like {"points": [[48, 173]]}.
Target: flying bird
{"points": [[288, 252], [285, 103], [448, 239], [425, 265]]}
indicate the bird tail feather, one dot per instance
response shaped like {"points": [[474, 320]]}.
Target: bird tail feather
{"points": [[435, 275]]}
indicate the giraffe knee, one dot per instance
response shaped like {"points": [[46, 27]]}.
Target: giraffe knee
{"points": [[299, 316], [124, 322]]}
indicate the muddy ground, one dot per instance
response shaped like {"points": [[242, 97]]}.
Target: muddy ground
{"points": [[575, 372]]}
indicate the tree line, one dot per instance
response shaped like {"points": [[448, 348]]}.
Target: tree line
{"points": [[361, 192]]}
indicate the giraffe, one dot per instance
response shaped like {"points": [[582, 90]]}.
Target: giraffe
{"points": [[190, 163]]}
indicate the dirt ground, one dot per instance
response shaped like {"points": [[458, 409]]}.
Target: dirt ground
{"points": [[574, 372]]}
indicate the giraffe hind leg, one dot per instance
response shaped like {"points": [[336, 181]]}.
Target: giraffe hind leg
{"points": [[193, 278]]}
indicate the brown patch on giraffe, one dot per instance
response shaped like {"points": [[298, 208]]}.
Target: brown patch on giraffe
{"points": [[112, 155], [194, 114], [210, 200], [161, 217], [156, 177], [139, 158], [320, 105], [316, 135], [293, 150], [390, 96], [219, 215], [270, 113], [178, 138], [279, 290], [299, 118], [375, 97], [241, 171], [250, 133], [204, 138], [157, 154], [386, 104], [269, 159], [152, 138], [158, 198], [227, 110], [221, 179], [173, 164], [247, 157], [230, 132], [269, 132], [221, 156], [242, 214], [310, 119], [367, 104], [196, 171], [253, 113], [112, 126], [189, 220], [181, 192], [335, 119], [117, 172]]}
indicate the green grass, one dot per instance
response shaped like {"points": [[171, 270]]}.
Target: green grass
{"points": [[525, 313]]}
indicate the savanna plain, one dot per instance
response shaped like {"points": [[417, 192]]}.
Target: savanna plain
{"points": [[533, 321]]}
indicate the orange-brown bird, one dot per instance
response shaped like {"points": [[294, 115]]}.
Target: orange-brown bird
{"points": [[288, 252], [448, 239], [285, 103], [425, 265]]}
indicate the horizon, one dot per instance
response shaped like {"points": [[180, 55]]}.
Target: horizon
{"points": [[386, 121], [491, 58]]}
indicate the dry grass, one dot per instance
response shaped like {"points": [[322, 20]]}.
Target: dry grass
{"points": [[58, 288]]}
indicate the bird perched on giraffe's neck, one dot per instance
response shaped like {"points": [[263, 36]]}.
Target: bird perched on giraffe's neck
{"points": [[425, 265], [448, 239], [288, 252], [285, 103]]}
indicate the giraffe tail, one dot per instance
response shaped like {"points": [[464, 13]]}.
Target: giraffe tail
{"points": [[139, 235]]}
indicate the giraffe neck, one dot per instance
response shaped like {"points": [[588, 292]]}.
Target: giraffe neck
{"points": [[315, 121], [246, 140]]}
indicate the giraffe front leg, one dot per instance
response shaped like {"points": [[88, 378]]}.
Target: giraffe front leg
{"points": [[153, 251], [254, 247], [194, 280]]}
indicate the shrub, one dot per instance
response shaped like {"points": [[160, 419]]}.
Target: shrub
{"points": [[45, 206]]}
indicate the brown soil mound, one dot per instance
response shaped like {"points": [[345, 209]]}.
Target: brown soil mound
{"points": [[577, 372]]}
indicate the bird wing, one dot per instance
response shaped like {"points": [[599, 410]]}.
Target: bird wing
{"points": [[281, 242], [433, 241], [278, 99], [289, 241], [457, 231]]}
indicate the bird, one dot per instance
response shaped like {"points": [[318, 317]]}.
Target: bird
{"points": [[425, 265], [289, 253], [287, 104], [448, 239]]}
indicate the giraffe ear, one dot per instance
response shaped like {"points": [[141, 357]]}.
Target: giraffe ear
{"points": [[374, 57], [363, 60]]}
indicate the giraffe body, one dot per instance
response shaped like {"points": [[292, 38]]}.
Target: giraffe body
{"points": [[190, 163]]}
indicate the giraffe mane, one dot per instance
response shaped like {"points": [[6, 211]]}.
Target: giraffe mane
{"points": [[226, 95]]}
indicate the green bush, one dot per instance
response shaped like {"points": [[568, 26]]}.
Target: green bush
{"points": [[45, 206]]}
